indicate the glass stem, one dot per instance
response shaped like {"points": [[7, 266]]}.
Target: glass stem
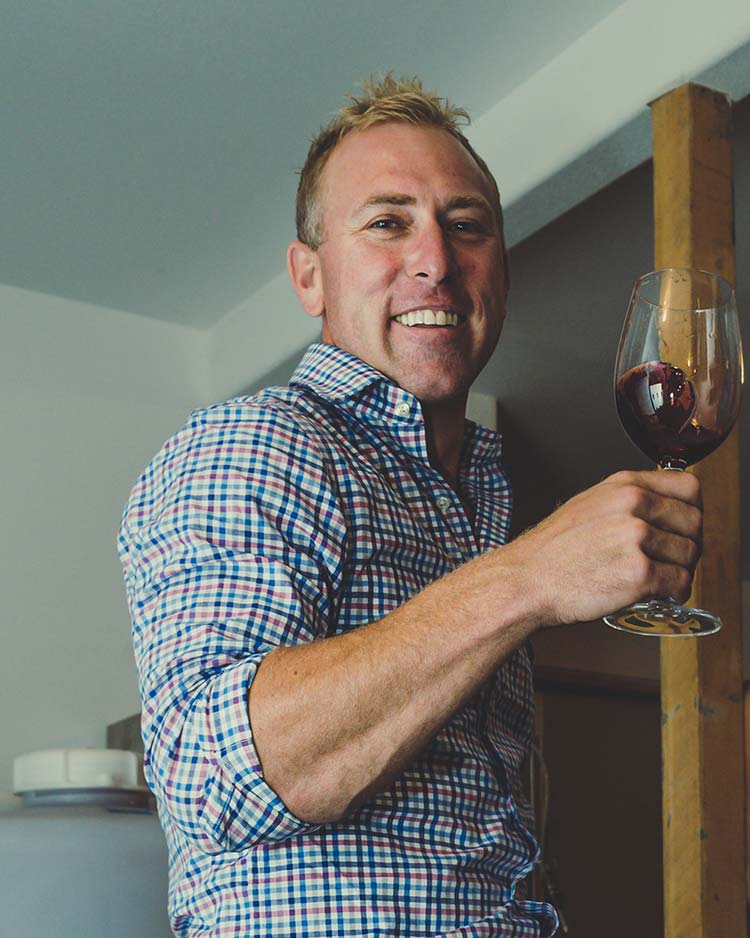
{"points": [[673, 464], [670, 464]]}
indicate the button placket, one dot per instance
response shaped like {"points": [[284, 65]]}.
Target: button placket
{"points": [[444, 503]]}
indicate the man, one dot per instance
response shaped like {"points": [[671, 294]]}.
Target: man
{"points": [[329, 625]]}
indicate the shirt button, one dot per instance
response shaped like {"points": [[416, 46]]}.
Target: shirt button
{"points": [[402, 409], [443, 503]]}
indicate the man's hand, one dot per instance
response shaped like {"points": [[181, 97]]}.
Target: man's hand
{"points": [[635, 535]]}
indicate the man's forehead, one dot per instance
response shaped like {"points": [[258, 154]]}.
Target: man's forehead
{"points": [[393, 161]]}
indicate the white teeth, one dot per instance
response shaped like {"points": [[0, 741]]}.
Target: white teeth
{"points": [[428, 317]]}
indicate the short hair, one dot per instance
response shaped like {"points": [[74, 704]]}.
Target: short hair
{"points": [[389, 99]]}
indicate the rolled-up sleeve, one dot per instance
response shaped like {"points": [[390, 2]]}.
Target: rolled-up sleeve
{"points": [[232, 545]]}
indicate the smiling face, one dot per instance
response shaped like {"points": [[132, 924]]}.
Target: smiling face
{"points": [[410, 272]]}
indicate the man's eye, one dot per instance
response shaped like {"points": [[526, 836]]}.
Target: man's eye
{"points": [[386, 224], [467, 225]]}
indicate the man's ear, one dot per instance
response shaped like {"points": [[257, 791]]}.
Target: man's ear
{"points": [[303, 265]]}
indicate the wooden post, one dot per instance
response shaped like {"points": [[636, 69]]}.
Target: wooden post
{"points": [[701, 690]]}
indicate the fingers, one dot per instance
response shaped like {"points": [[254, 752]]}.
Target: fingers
{"points": [[668, 514], [682, 584], [635, 535], [683, 486], [664, 546], [676, 517], [667, 525], [672, 504], [665, 579]]}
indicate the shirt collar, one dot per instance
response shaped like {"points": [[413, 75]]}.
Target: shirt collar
{"points": [[335, 374], [331, 372], [481, 444]]}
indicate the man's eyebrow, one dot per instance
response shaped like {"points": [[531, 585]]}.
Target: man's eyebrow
{"points": [[468, 201], [397, 198], [386, 198]]}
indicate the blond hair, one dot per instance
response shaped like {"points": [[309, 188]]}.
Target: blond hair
{"points": [[389, 99]]}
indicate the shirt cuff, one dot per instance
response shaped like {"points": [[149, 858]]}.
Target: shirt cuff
{"points": [[241, 807]]}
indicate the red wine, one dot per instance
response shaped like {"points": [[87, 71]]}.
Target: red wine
{"points": [[657, 405]]}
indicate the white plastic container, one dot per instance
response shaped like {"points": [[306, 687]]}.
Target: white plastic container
{"points": [[108, 777], [73, 869]]}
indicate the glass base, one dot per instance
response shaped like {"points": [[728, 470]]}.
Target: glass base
{"points": [[664, 619]]}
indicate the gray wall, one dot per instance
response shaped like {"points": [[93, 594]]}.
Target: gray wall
{"points": [[604, 841]]}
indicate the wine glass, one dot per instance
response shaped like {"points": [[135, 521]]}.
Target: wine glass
{"points": [[678, 383]]}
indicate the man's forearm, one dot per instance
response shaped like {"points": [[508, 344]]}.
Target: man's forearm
{"points": [[335, 720]]}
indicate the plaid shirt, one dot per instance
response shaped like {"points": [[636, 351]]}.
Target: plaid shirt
{"points": [[279, 519]]}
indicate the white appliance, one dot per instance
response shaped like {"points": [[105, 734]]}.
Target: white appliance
{"points": [[82, 853]]}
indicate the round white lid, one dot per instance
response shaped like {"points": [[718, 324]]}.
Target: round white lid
{"points": [[75, 769]]}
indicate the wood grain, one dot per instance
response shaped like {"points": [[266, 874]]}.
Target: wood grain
{"points": [[701, 679]]}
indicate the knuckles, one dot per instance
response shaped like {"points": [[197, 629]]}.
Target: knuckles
{"points": [[696, 523], [692, 488], [684, 485], [684, 580], [637, 533], [635, 500], [643, 571], [694, 551], [623, 477]]}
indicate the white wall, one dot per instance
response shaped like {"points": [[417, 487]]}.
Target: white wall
{"points": [[255, 338], [87, 396]]}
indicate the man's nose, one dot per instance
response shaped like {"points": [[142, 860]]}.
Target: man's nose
{"points": [[431, 255]]}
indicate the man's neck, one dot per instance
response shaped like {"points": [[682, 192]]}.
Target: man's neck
{"points": [[445, 436]]}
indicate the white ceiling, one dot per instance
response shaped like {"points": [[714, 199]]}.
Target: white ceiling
{"points": [[150, 146]]}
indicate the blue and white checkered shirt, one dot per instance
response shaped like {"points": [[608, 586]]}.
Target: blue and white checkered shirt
{"points": [[278, 519]]}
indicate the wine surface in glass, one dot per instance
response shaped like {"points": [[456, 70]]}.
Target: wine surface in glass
{"points": [[657, 404]]}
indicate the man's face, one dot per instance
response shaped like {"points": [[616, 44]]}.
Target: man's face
{"points": [[408, 227]]}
